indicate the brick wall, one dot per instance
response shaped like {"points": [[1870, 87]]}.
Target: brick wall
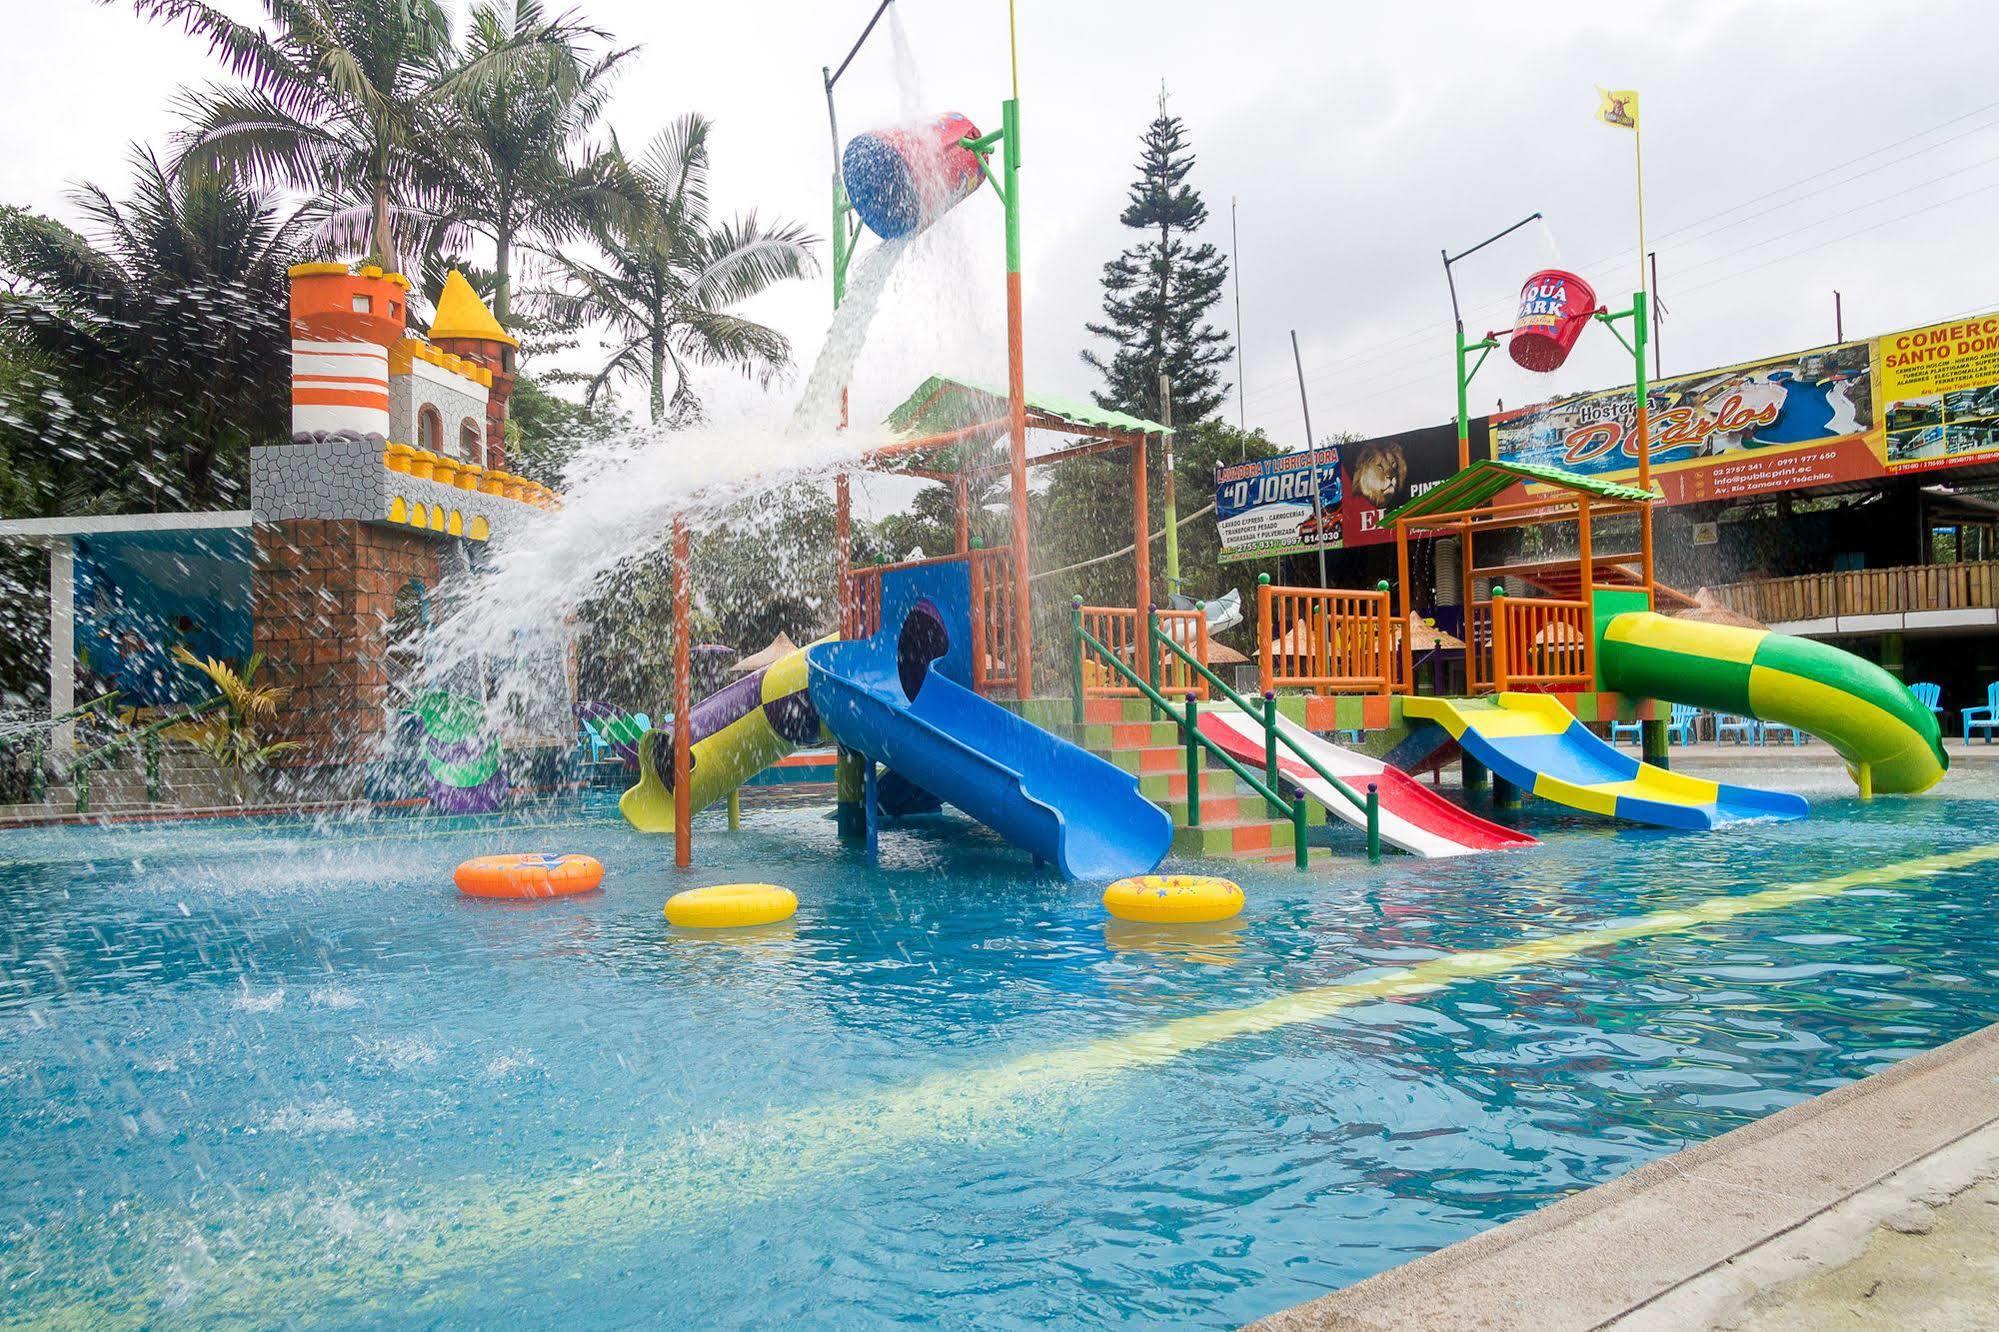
{"points": [[323, 595]]}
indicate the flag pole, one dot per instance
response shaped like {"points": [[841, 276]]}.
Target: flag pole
{"points": [[1638, 158]]}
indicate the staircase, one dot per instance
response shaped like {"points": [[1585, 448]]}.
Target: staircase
{"points": [[187, 781], [1235, 823]]}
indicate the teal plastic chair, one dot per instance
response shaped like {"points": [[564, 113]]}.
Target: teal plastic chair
{"points": [[1684, 728], [1930, 696], [1746, 730], [1618, 730], [1985, 719]]}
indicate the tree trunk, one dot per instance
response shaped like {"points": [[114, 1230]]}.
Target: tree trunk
{"points": [[503, 256], [658, 366], [384, 243]]}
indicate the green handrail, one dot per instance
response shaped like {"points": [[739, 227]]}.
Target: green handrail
{"points": [[1190, 727], [1272, 734], [38, 782], [78, 772]]}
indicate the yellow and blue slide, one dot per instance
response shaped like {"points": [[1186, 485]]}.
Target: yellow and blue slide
{"points": [[1891, 743], [1537, 744]]}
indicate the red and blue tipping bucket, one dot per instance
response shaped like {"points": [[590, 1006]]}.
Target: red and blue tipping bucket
{"points": [[1555, 307], [902, 180]]}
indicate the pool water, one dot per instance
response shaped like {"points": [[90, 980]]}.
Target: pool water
{"points": [[283, 1073]]}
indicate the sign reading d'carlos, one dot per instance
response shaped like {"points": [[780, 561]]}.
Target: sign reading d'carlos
{"points": [[1941, 389], [1806, 419]]}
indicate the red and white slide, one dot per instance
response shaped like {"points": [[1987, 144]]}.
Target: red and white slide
{"points": [[1413, 817]]}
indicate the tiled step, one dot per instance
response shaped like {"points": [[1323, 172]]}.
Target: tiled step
{"points": [[1232, 838], [1160, 787]]}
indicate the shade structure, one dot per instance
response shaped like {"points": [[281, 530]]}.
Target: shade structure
{"points": [[779, 647], [1221, 654], [1427, 637]]}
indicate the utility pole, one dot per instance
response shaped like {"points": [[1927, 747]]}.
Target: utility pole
{"points": [[1838, 320], [1172, 504], [1235, 280], [1658, 308], [1312, 453]]}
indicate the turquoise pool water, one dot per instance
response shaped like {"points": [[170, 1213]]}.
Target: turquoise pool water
{"points": [[283, 1073]]}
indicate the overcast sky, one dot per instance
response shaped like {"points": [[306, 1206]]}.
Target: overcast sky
{"points": [[1791, 148]]}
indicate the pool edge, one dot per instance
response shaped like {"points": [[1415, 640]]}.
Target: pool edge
{"points": [[1612, 1250]]}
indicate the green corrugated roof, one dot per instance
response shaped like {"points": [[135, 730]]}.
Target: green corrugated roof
{"points": [[1489, 478], [964, 403]]}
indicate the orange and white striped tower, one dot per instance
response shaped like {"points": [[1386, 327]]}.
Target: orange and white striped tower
{"points": [[342, 326]]}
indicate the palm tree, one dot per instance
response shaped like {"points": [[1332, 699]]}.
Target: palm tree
{"points": [[670, 274], [349, 101], [523, 165], [169, 330]]}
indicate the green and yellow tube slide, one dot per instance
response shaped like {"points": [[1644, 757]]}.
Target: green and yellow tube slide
{"points": [[1862, 711]]}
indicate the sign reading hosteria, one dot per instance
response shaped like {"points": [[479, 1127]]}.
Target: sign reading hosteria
{"points": [[1806, 419], [1265, 507]]}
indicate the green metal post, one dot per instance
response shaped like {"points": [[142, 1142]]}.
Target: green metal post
{"points": [[1010, 130], [38, 780], [1272, 808], [1373, 824], [1076, 711], [842, 255], [1193, 762], [80, 779], [1654, 742], [736, 810], [1301, 851], [152, 766], [1152, 647], [1464, 402]]}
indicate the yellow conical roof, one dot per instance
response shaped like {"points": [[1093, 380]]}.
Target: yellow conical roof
{"points": [[461, 314]]}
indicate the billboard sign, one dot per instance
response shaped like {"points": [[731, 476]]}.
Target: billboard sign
{"points": [[1940, 395], [1265, 508], [1804, 419]]}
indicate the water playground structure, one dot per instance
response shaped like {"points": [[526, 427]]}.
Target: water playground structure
{"points": [[928, 688]]}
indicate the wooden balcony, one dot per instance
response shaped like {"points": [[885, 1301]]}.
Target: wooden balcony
{"points": [[1910, 598]]}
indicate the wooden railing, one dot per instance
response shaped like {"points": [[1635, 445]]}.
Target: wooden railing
{"points": [[1478, 647], [994, 626], [1123, 638], [1541, 643], [1822, 596], [995, 621], [1332, 640]]}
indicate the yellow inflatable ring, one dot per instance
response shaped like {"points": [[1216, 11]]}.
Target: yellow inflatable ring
{"points": [[1173, 899], [728, 904]]}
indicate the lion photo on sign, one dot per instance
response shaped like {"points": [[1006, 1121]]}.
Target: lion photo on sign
{"points": [[1380, 473]]}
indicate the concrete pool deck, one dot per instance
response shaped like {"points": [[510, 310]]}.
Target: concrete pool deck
{"points": [[1802, 1219]]}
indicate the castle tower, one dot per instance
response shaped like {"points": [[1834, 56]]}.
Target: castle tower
{"points": [[465, 327], [342, 326]]}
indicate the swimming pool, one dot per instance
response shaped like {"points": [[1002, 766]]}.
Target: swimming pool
{"points": [[282, 1073]]}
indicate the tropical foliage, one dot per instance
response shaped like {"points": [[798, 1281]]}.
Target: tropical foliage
{"points": [[234, 736], [671, 272]]}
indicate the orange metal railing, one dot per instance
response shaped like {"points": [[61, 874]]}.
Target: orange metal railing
{"points": [[994, 659], [1118, 629], [1539, 643], [1332, 640]]}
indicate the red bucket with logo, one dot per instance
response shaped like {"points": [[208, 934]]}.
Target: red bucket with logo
{"points": [[1555, 306]]}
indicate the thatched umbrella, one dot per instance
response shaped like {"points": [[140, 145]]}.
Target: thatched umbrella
{"points": [[781, 646], [1427, 637], [1221, 654]]}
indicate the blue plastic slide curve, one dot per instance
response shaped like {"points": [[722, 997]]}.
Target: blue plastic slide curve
{"points": [[903, 699]]}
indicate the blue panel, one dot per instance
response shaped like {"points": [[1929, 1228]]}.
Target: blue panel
{"points": [[1040, 792], [1565, 758]]}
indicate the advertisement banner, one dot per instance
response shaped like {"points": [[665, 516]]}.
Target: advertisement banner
{"points": [[1378, 475], [1804, 419], [1940, 390], [1265, 508]]}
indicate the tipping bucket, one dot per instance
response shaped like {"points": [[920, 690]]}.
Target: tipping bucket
{"points": [[902, 180], [1555, 306]]}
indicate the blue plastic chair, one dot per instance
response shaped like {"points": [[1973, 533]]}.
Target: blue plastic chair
{"points": [[1618, 730], [1747, 730], [595, 737], [1930, 696], [1986, 718], [1684, 728], [1770, 729]]}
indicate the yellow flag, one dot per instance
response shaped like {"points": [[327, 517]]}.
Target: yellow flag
{"points": [[1618, 108]]}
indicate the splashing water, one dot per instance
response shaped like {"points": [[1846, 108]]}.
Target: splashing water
{"points": [[818, 409]]}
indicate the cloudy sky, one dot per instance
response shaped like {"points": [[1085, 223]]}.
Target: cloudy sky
{"points": [[1791, 148]]}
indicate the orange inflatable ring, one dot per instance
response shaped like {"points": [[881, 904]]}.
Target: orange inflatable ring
{"points": [[528, 876]]}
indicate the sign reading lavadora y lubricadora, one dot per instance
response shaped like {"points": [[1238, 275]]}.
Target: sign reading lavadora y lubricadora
{"points": [[1265, 508]]}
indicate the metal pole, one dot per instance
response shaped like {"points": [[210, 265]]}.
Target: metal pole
{"points": [[1311, 453], [1838, 319], [1657, 307], [1235, 280], [1016, 384], [683, 705]]}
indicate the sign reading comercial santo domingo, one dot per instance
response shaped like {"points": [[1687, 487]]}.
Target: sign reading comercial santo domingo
{"points": [[1265, 508]]}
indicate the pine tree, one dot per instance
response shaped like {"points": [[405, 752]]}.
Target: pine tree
{"points": [[1157, 293]]}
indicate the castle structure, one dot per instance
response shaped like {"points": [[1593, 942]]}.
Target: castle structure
{"points": [[393, 475]]}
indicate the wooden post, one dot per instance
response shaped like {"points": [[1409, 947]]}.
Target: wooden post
{"points": [[1405, 604], [683, 705], [843, 548], [1588, 585], [1141, 558], [1499, 671], [847, 812], [961, 512], [1266, 665], [1467, 593]]}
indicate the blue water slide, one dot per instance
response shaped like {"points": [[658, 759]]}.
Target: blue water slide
{"points": [[904, 699]]}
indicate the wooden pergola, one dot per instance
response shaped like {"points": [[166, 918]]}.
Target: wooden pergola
{"points": [[948, 430], [1551, 647]]}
